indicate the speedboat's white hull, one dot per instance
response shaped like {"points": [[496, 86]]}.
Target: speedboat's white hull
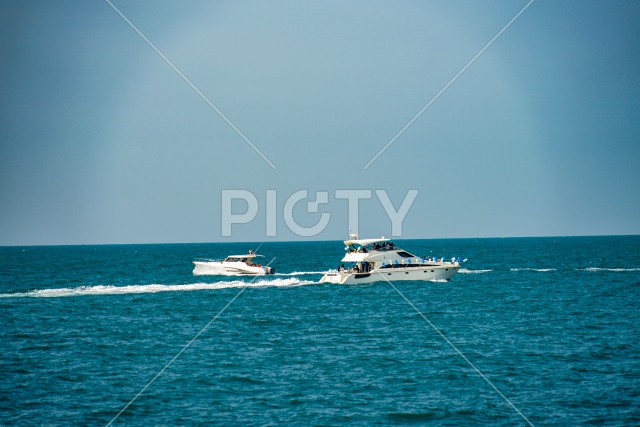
{"points": [[424, 273], [221, 268]]}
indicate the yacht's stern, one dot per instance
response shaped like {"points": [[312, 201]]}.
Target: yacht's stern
{"points": [[336, 277]]}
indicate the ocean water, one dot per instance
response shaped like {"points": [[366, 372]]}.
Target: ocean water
{"points": [[551, 326]]}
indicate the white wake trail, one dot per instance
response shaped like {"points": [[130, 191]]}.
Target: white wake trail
{"points": [[299, 273], [152, 288], [466, 271]]}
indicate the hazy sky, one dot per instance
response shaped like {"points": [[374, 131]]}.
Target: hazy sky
{"points": [[101, 141]]}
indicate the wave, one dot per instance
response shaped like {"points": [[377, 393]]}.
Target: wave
{"points": [[465, 271], [541, 270], [153, 288], [617, 270]]}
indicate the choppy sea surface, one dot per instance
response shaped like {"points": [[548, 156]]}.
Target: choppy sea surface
{"points": [[537, 329]]}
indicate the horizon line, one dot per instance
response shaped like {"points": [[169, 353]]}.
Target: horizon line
{"points": [[314, 240]]}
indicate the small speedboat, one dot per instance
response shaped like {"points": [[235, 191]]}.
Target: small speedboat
{"points": [[372, 260], [233, 265]]}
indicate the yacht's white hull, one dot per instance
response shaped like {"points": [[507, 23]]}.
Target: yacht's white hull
{"points": [[221, 268], [425, 273]]}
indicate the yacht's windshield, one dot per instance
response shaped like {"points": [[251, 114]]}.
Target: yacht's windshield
{"points": [[376, 246], [383, 246]]}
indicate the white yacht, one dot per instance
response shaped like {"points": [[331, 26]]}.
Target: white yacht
{"points": [[233, 265], [372, 260]]}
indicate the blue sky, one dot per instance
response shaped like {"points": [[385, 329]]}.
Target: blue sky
{"points": [[101, 141]]}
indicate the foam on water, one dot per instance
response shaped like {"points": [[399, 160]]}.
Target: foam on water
{"points": [[540, 270], [299, 273], [152, 288], [465, 271]]}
